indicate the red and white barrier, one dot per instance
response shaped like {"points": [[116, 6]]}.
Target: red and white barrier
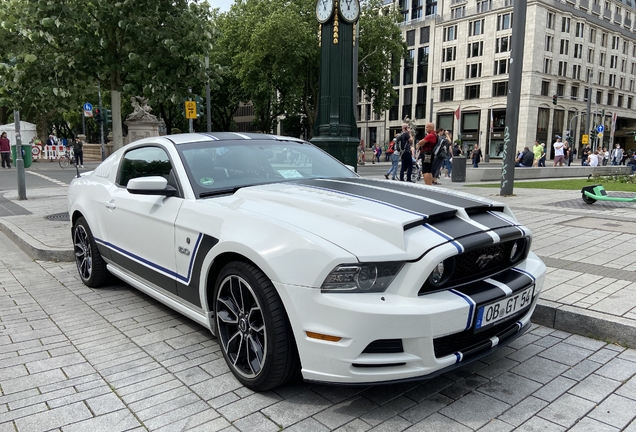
{"points": [[52, 152]]}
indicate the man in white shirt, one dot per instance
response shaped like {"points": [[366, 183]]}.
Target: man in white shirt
{"points": [[558, 152], [592, 160]]}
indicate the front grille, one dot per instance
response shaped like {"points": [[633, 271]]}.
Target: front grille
{"points": [[467, 340], [384, 346]]}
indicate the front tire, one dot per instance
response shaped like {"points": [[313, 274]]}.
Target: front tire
{"points": [[587, 199], [253, 329], [63, 162], [90, 264]]}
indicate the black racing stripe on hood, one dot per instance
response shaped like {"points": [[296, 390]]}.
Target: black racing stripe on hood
{"points": [[489, 220], [431, 211], [509, 233], [454, 200], [515, 280], [475, 241], [456, 228], [481, 292]]}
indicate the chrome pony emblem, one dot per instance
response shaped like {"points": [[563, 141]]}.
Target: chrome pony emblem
{"points": [[184, 251], [486, 259]]}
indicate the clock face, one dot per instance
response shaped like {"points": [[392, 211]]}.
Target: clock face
{"points": [[350, 10], [324, 8]]}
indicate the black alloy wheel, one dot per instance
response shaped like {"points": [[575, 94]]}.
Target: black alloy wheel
{"points": [[253, 329], [90, 264]]}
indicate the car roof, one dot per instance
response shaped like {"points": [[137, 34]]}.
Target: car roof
{"points": [[188, 138]]}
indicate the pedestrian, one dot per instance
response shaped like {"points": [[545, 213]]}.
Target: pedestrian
{"points": [[617, 155], [407, 158], [78, 150], [632, 162], [51, 141], [5, 150], [606, 156], [526, 160], [439, 155], [395, 159], [537, 150], [592, 160], [476, 156], [566, 153], [377, 152], [558, 152], [426, 147], [584, 154], [542, 160]]}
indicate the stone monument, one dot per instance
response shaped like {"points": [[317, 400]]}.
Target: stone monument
{"points": [[141, 124]]}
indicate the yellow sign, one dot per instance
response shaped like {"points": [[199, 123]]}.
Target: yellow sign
{"points": [[600, 135], [585, 139], [191, 109]]}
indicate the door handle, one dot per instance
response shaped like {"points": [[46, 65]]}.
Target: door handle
{"points": [[110, 204]]}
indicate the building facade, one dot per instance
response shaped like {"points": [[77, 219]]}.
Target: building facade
{"points": [[456, 72]]}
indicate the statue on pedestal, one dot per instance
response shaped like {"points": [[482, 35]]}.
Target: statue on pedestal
{"points": [[141, 110]]}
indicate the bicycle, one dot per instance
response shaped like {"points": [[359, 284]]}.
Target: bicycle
{"points": [[67, 158]]}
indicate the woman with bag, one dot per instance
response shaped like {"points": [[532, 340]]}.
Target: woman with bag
{"points": [[426, 147], [476, 156]]}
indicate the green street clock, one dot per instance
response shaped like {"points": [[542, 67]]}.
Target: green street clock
{"points": [[336, 130]]}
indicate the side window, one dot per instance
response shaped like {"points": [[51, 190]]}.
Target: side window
{"points": [[144, 162]]}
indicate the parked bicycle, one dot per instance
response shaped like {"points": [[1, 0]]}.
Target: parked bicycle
{"points": [[66, 159]]}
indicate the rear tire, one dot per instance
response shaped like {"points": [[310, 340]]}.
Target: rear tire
{"points": [[253, 329], [587, 199], [90, 264], [63, 162]]}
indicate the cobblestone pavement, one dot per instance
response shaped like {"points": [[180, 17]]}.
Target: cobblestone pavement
{"points": [[112, 359]]}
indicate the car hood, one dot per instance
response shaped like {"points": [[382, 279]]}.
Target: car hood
{"points": [[370, 217]]}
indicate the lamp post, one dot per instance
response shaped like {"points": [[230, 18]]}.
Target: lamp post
{"points": [[19, 162]]}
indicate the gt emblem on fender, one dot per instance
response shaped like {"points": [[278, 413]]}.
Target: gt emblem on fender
{"points": [[184, 251], [485, 259]]}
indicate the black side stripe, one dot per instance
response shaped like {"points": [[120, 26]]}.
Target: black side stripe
{"points": [[409, 203], [190, 292], [448, 198]]}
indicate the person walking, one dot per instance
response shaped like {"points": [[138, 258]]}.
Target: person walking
{"points": [[407, 159], [78, 150], [394, 154], [5, 150], [537, 150], [542, 159], [476, 156]]}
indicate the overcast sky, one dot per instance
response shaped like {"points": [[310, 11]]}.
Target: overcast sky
{"points": [[223, 5]]}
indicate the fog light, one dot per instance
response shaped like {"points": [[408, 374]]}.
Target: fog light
{"points": [[438, 273], [517, 250]]}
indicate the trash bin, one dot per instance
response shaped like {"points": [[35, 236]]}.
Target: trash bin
{"points": [[458, 174], [26, 154]]}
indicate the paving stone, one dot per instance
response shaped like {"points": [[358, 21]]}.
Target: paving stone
{"points": [[497, 368], [426, 407], [604, 355], [595, 388], [438, 422], [311, 425], [387, 411], [474, 410], [248, 405], [618, 369], [509, 388], [35, 380], [296, 408], [429, 388], [347, 411], [581, 370], [616, 411], [522, 411], [547, 341], [537, 424], [54, 418], [540, 369], [566, 353], [566, 410], [105, 404], [216, 386], [122, 420], [354, 426], [591, 425], [527, 352], [628, 389], [465, 386], [192, 421], [394, 424]]}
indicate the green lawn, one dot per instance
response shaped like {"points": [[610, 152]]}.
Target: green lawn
{"points": [[570, 184]]}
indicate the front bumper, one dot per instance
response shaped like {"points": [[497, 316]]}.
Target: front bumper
{"points": [[392, 337]]}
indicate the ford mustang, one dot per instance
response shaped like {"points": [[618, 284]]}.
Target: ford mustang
{"points": [[301, 267]]}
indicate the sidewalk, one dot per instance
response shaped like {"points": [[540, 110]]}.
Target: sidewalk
{"points": [[590, 288]]}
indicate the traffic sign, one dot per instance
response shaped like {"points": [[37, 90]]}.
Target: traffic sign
{"points": [[585, 139], [191, 109], [600, 134], [600, 128], [88, 107], [88, 113]]}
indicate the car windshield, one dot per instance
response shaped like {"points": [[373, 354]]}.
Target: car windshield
{"points": [[216, 167]]}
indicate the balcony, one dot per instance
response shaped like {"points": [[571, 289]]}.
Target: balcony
{"points": [[607, 13], [596, 9], [627, 23], [618, 18], [584, 4]]}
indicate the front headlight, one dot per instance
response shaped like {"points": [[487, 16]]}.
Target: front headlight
{"points": [[358, 278]]}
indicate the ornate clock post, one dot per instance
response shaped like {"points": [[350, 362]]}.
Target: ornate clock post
{"points": [[336, 130]]}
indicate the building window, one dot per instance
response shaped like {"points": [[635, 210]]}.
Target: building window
{"points": [[458, 12], [484, 5], [473, 70], [407, 103], [622, 84], [410, 38], [613, 62], [612, 80], [425, 35], [565, 46], [547, 66], [576, 72], [601, 79], [450, 33], [551, 20], [604, 40], [574, 92], [504, 21], [599, 97], [420, 103], [560, 90], [422, 65], [472, 91], [446, 94], [629, 102], [588, 77], [579, 29], [548, 43], [619, 102], [563, 68], [565, 25], [394, 113], [610, 98], [448, 74], [578, 51], [475, 49], [602, 59], [448, 54], [501, 67], [615, 42], [476, 27], [499, 88], [545, 88], [625, 43], [590, 55], [431, 7], [502, 44], [408, 67], [592, 38]]}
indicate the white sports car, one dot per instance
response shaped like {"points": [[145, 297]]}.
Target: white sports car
{"points": [[298, 265]]}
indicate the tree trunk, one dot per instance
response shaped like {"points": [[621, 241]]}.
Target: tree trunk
{"points": [[4, 115], [115, 103]]}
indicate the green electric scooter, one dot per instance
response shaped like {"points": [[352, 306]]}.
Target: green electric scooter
{"points": [[593, 193]]}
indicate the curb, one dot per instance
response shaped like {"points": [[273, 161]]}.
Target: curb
{"points": [[584, 322], [39, 251]]}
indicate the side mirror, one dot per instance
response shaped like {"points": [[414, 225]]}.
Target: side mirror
{"points": [[154, 185]]}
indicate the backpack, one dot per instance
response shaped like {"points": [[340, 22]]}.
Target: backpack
{"points": [[440, 148], [391, 148]]}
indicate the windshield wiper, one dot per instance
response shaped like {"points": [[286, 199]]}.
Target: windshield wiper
{"points": [[227, 191]]}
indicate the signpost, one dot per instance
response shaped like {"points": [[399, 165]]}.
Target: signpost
{"points": [[88, 110], [600, 129], [191, 109], [585, 139]]}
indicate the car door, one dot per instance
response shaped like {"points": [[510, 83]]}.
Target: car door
{"points": [[141, 227]]}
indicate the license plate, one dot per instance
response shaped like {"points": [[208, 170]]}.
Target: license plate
{"points": [[499, 310]]}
